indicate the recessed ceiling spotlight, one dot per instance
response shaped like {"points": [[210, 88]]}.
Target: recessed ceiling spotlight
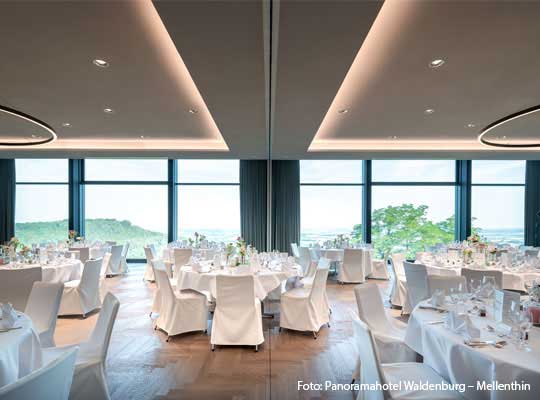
{"points": [[471, 125], [343, 111], [438, 62], [429, 111], [193, 111], [501, 138], [100, 63], [66, 124], [142, 136], [394, 137], [108, 110]]}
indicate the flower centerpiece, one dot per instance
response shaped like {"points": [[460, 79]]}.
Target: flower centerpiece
{"points": [[72, 235], [534, 291], [229, 252], [242, 250], [467, 255], [491, 254], [13, 245], [26, 254], [340, 241], [197, 240]]}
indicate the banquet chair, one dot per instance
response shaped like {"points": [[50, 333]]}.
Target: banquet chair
{"points": [[104, 263], [478, 274], [76, 254], [89, 381], [82, 296], [531, 252], [398, 294], [124, 269], [238, 315], [314, 254], [416, 276], [385, 379], [159, 264], [379, 268], [389, 333], [295, 252], [50, 382], [16, 285], [445, 283], [304, 259], [352, 268], [84, 253], [42, 308], [114, 267], [181, 258], [305, 308], [148, 271]]}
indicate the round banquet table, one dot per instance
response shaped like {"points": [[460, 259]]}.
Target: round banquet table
{"points": [[63, 271], [445, 352], [20, 351], [265, 280], [512, 280]]}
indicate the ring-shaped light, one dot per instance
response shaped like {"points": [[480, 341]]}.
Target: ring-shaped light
{"points": [[32, 120], [503, 121]]}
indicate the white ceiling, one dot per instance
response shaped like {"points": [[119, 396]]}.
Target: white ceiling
{"points": [[370, 58]]}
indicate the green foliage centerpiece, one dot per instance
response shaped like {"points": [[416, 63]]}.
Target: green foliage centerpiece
{"points": [[196, 242]]}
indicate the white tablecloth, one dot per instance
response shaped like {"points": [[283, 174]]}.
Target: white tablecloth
{"points": [[265, 281], [332, 254], [20, 352], [511, 280], [66, 270], [446, 353]]}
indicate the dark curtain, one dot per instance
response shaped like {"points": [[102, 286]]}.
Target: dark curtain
{"points": [[532, 204], [285, 204], [253, 199], [7, 199]]}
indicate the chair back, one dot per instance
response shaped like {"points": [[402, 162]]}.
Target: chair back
{"points": [[104, 263], [479, 274], [84, 253], [397, 263], [153, 250], [294, 250], [304, 259], [149, 254], [370, 372], [181, 258], [323, 263], [371, 307], [417, 289], [125, 250], [42, 308], [116, 258], [445, 283], [235, 292], [51, 382], [318, 289], [101, 335], [165, 289], [354, 259], [531, 252], [315, 254], [110, 243], [89, 284], [16, 285]]}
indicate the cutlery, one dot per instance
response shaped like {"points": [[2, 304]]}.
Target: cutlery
{"points": [[480, 343], [9, 329], [435, 322]]}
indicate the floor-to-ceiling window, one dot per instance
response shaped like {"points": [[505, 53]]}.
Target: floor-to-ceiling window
{"points": [[208, 199], [498, 200], [330, 200], [126, 201], [41, 210], [413, 204]]}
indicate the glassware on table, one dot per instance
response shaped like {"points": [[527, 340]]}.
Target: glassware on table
{"points": [[525, 326]]}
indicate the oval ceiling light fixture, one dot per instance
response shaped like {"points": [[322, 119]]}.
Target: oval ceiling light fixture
{"points": [[66, 124], [343, 111], [193, 111], [28, 118], [429, 111], [471, 125], [438, 62], [108, 111], [394, 137], [100, 63], [503, 121]]}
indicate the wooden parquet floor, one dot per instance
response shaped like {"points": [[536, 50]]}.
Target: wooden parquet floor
{"points": [[142, 365]]}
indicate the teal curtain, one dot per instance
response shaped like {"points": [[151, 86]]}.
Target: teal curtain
{"points": [[532, 204], [7, 199], [253, 199], [285, 204]]}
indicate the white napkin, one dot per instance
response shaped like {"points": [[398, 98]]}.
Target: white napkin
{"points": [[9, 316], [462, 324], [438, 298]]}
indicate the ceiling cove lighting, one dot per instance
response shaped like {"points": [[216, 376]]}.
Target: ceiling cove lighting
{"points": [[28, 118], [438, 62], [100, 63], [506, 120]]}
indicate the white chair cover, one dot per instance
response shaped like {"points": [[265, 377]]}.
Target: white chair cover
{"points": [[315, 254], [51, 382], [237, 317], [16, 285], [158, 264], [184, 311], [444, 283], [181, 258], [42, 308], [89, 382], [388, 377], [398, 295], [102, 274], [389, 333], [352, 269], [379, 268], [304, 259], [84, 253], [115, 262], [81, 297], [416, 275], [148, 271], [124, 269], [295, 252], [471, 274], [305, 308]]}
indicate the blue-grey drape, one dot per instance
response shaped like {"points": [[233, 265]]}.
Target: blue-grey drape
{"points": [[285, 204], [7, 199], [253, 202], [532, 204]]}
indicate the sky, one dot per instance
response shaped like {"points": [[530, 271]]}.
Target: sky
{"points": [[218, 207]]}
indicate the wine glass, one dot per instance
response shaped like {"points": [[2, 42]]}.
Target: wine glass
{"points": [[525, 325]]}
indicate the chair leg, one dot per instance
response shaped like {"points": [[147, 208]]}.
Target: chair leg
{"points": [[213, 347], [328, 324], [256, 348], [168, 338], [314, 335], [352, 382], [279, 330]]}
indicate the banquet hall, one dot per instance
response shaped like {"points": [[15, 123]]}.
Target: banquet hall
{"points": [[269, 199]]}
